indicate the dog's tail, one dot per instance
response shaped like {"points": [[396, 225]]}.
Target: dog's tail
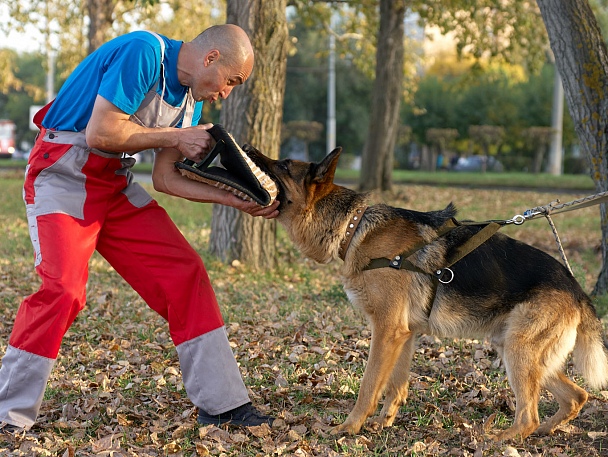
{"points": [[590, 354]]}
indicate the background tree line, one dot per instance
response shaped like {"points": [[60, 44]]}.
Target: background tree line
{"points": [[453, 92]]}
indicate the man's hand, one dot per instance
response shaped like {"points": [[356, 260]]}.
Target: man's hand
{"points": [[253, 209], [195, 142]]}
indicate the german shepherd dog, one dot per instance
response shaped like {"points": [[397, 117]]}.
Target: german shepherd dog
{"points": [[526, 302]]}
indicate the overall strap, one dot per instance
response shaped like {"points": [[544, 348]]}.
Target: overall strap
{"points": [[162, 67], [189, 100]]}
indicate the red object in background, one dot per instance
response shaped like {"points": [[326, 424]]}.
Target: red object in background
{"points": [[7, 138]]}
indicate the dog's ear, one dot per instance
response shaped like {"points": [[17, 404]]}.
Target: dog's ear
{"points": [[326, 169]]}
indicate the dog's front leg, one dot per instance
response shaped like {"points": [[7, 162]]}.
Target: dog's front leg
{"points": [[386, 347], [398, 385]]}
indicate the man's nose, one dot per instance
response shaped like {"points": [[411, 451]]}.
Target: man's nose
{"points": [[224, 93]]}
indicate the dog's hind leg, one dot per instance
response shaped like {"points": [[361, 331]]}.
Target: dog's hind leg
{"points": [[521, 348], [398, 385], [538, 337], [386, 346], [524, 375], [570, 397]]}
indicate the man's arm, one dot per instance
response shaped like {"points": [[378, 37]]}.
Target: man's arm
{"points": [[110, 129], [167, 179]]}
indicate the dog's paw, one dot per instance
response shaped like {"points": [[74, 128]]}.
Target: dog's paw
{"points": [[545, 429], [345, 428], [518, 433], [382, 421], [374, 425]]}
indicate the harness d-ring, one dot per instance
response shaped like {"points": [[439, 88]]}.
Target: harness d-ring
{"points": [[440, 273]]}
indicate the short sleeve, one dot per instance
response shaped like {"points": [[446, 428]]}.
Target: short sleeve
{"points": [[129, 72]]}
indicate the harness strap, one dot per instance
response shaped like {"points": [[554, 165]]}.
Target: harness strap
{"points": [[401, 262], [473, 243]]}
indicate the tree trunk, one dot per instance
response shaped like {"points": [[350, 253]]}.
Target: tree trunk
{"points": [[539, 155], [378, 152], [429, 158], [100, 21], [557, 124], [253, 114], [581, 58]]}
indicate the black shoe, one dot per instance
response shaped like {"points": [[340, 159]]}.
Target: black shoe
{"points": [[9, 429], [245, 415]]}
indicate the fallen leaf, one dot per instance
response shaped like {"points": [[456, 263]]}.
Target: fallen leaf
{"points": [[260, 430], [109, 442], [510, 452], [596, 435]]}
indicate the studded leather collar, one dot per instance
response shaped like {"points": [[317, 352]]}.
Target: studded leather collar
{"points": [[353, 223]]}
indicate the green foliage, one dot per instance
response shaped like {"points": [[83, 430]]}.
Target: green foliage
{"points": [[445, 98], [27, 91], [187, 18], [491, 95], [511, 30], [600, 9], [601, 305], [434, 106]]}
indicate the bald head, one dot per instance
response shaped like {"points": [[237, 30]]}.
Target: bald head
{"points": [[230, 40], [215, 62]]}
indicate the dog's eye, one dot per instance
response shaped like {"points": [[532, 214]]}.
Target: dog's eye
{"points": [[283, 165]]}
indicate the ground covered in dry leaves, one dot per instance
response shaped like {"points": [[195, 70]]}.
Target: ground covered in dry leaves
{"points": [[117, 390]]}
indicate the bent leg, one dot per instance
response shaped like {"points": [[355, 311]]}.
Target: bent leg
{"points": [[150, 253], [571, 399]]}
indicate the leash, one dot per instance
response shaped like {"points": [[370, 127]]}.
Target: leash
{"points": [[556, 207], [445, 275]]}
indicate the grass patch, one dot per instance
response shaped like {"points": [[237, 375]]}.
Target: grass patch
{"points": [[475, 179]]}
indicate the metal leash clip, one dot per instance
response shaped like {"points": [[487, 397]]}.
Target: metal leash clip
{"points": [[519, 219]]}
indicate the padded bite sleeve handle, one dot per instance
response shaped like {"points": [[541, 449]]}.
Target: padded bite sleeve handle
{"points": [[239, 175]]}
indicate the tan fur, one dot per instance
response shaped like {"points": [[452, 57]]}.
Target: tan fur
{"points": [[532, 336]]}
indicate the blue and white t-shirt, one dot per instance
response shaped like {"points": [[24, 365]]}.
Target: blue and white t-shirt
{"points": [[122, 71]]}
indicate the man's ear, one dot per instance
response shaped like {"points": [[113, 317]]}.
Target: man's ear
{"points": [[326, 169], [211, 57]]}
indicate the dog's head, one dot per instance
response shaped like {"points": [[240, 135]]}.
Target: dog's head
{"points": [[301, 184], [309, 202]]}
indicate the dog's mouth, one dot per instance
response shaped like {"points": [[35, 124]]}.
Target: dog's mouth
{"points": [[264, 162]]}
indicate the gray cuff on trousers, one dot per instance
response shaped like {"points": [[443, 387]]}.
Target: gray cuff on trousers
{"points": [[211, 375], [23, 379]]}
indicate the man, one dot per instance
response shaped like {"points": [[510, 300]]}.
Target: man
{"points": [[128, 96]]}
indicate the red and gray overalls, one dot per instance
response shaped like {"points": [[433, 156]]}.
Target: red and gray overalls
{"points": [[79, 200]]}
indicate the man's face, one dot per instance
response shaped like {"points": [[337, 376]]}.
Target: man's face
{"points": [[217, 78]]}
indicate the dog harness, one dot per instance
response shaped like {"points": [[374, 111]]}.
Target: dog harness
{"points": [[400, 261], [444, 275]]}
